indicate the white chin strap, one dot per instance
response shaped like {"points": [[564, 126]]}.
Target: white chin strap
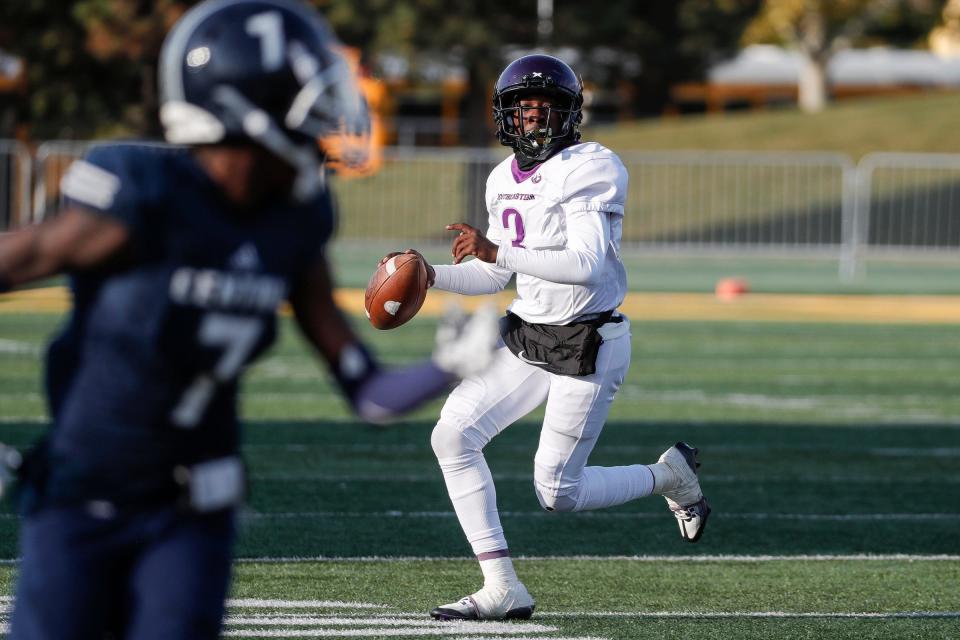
{"points": [[185, 123], [261, 128]]}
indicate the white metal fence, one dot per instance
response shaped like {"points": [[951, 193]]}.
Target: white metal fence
{"points": [[737, 202], [908, 200]]}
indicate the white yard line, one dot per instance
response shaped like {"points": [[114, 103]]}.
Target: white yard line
{"points": [[309, 476], [437, 630], [889, 557], [700, 615], [603, 515], [651, 449], [336, 422], [896, 557], [407, 624], [23, 396], [17, 347], [301, 604], [24, 419], [932, 452], [395, 621], [419, 619]]}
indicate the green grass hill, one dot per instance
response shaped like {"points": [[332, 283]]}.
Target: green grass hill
{"points": [[924, 123]]}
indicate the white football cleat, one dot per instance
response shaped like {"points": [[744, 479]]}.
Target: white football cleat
{"points": [[685, 500], [490, 603], [465, 344]]}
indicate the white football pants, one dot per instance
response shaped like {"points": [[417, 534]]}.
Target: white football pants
{"points": [[482, 406]]}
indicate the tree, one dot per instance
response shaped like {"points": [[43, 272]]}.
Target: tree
{"points": [[90, 64], [670, 41], [945, 39], [818, 29], [643, 46], [128, 35], [425, 32], [63, 92]]}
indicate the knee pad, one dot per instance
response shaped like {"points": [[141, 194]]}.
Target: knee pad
{"points": [[551, 502], [449, 442]]}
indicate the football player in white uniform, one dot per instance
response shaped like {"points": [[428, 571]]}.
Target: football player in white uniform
{"points": [[555, 219]]}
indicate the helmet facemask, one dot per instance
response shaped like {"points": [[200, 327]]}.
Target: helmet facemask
{"points": [[329, 103], [535, 130]]}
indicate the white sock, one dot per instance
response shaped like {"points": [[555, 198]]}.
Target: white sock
{"points": [[603, 487], [470, 486], [498, 572]]}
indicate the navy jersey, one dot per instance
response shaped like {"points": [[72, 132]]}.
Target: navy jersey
{"points": [[144, 376]]}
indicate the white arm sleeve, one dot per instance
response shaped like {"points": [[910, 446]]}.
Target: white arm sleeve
{"points": [[472, 278], [580, 262]]}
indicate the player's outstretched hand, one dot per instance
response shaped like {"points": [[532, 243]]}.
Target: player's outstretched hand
{"points": [[471, 242], [431, 274], [465, 344]]}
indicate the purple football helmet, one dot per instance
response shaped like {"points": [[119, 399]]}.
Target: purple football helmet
{"points": [[538, 74]]}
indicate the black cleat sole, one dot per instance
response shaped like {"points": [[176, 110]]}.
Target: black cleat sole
{"points": [[446, 615], [520, 613], [703, 522], [689, 454]]}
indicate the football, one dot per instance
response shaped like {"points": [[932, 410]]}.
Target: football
{"points": [[396, 291]]}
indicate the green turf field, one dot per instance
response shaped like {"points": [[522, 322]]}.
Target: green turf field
{"points": [[829, 455]]}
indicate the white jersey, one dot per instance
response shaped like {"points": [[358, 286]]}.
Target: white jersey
{"points": [[558, 227]]}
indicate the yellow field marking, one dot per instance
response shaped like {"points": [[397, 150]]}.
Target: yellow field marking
{"points": [[751, 307], [45, 300], [766, 307]]}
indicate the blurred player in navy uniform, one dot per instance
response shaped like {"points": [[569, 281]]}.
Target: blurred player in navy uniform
{"points": [[179, 259]]}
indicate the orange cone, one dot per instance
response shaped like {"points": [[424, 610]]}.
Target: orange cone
{"points": [[729, 288]]}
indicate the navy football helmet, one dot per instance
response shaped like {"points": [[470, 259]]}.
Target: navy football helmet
{"points": [[259, 70], [538, 74]]}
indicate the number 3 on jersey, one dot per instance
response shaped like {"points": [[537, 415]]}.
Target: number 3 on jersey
{"points": [[236, 336], [513, 220]]}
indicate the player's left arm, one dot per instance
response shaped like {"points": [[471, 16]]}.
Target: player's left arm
{"points": [[75, 239], [592, 193], [376, 394], [579, 262]]}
